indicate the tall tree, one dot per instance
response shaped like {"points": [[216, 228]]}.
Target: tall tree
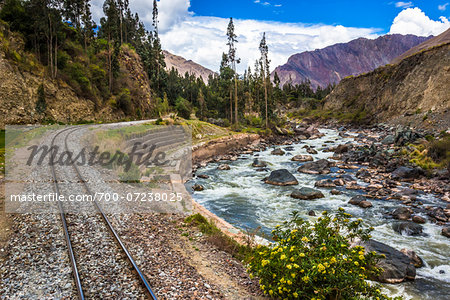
{"points": [[233, 60], [264, 49]]}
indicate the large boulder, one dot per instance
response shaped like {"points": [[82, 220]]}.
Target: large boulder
{"points": [[321, 166], [360, 201], [407, 173], [446, 231], [277, 152], [402, 213], [197, 187], [281, 177], [341, 149], [397, 267], [306, 193], [408, 228], [415, 259], [302, 158], [325, 183], [259, 163]]}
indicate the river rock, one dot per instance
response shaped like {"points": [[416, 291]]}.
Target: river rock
{"points": [[324, 183], [277, 151], [259, 163], [197, 187], [402, 213], [415, 259], [446, 231], [418, 220], [311, 213], [341, 149], [302, 158], [360, 201], [397, 267], [437, 213], [321, 166], [224, 167], [389, 139], [408, 228], [311, 150], [203, 176], [406, 173], [335, 192], [281, 177], [306, 193]]}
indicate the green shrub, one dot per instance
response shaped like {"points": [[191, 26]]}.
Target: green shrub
{"points": [[124, 102], [41, 103], [316, 260], [62, 59], [183, 107]]}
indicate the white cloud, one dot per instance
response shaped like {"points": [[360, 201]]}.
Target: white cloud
{"points": [[414, 21], [403, 4], [443, 7], [203, 39]]}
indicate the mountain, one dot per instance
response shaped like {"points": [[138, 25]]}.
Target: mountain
{"points": [[331, 64], [435, 41], [414, 91], [182, 66]]}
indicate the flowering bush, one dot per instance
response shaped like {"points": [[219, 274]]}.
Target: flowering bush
{"points": [[316, 260]]}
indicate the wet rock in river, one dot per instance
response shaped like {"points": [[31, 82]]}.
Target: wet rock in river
{"points": [[407, 173], [321, 166], [325, 183], [402, 213], [306, 193], [397, 267], [302, 158], [277, 151], [415, 259], [446, 231], [311, 151], [438, 213], [281, 177], [198, 187], [259, 163], [311, 213], [224, 167], [203, 176], [418, 220], [360, 201], [408, 228], [335, 192], [341, 149]]}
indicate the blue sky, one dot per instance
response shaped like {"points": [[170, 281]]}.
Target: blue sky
{"points": [[196, 29], [378, 14]]}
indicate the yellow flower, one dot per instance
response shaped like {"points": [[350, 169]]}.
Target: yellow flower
{"points": [[263, 287], [323, 248], [295, 295], [294, 231], [305, 278], [270, 292], [289, 266], [320, 267], [264, 262], [301, 271], [289, 282], [292, 248], [296, 266], [293, 275], [305, 239], [343, 245], [302, 254], [282, 257], [274, 275], [292, 259], [333, 260], [356, 263], [361, 257]]}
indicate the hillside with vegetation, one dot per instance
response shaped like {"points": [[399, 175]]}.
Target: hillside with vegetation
{"points": [[57, 65]]}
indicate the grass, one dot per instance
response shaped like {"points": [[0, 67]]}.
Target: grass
{"points": [[203, 131], [216, 237], [2, 151]]}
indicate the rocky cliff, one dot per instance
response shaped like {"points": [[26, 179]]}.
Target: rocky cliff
{"points": [[182, 66], [414, 91], [333, 63], [21, 75]]}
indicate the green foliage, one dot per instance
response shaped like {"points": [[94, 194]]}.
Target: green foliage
{"points": [[439, 150], [183, 108], [315, 260], [133, 175], [162, 106], [41, 103], [124, 102]]}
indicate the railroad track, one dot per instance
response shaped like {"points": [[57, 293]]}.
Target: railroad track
{"points": [[73, 259]]}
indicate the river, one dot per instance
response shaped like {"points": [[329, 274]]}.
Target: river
{"points": [[240, 197]]}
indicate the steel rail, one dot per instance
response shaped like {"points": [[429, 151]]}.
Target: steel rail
{"points": [[141, 275], [73, 262]]}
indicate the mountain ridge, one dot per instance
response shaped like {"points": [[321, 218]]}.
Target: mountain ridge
{"points": [[333, 63], [183, 65]]}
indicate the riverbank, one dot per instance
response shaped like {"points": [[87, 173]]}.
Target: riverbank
{"points": [[359, 164]]}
